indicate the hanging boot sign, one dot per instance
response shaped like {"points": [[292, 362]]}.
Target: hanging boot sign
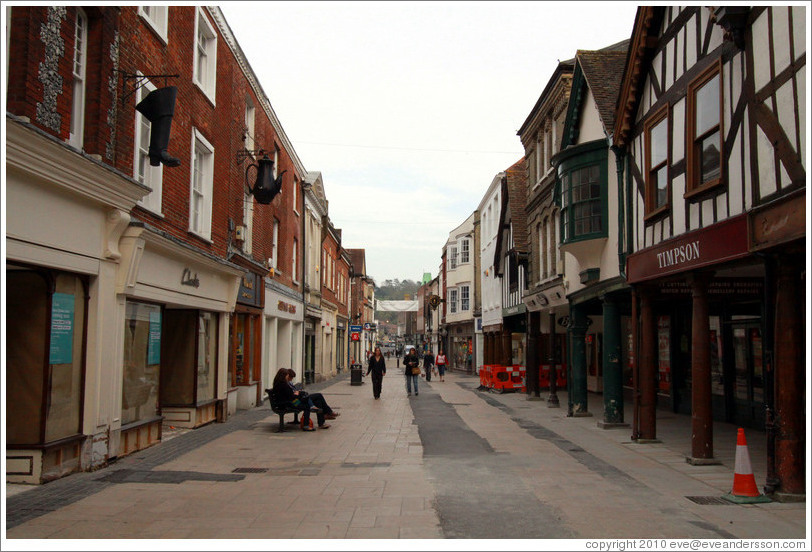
{"points": [[159, 108]]}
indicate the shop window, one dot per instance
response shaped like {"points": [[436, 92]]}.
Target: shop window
{"points": [[244, 342], [704, 133], [44, 364], [189, 351], [142, 363], [206, 356], [657, 187], [664, 355]]}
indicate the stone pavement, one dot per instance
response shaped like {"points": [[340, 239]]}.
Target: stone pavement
{"points": [[371, 477]]}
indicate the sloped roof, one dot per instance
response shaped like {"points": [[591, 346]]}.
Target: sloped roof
{"points": [[514, 200], [603, 72], [358, 259], [517, 201]]}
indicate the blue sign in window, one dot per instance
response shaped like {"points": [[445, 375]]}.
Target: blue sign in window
{"points": [[62, 307]]}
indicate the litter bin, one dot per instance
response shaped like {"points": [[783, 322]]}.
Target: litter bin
{"points": [[355, 374]]}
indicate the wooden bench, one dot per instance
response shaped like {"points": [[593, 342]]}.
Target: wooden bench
{"points": [[282, 409]]}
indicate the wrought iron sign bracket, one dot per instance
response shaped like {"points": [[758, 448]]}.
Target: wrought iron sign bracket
{"points": [[138, 82], [244, 154]]}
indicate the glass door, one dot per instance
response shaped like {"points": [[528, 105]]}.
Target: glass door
{"points": [[746, 397]]}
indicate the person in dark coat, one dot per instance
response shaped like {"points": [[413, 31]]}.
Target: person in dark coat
{"points": [[428, 364], [377, 367], [284, 393], [411, 362]]}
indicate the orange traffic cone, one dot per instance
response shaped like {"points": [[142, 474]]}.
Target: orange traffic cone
{"points": [[744, 490]]}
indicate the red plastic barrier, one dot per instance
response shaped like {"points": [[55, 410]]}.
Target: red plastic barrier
{"points": [[544, 376], [511, 378]]}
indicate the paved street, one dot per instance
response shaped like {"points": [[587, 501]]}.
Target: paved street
{"points": [[453, 462]]}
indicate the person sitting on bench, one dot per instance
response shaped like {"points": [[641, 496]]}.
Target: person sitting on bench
{"points": [[317, 400], [284, 392]]}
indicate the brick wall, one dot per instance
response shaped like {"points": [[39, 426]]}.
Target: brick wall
{"points": [[42, 41]]}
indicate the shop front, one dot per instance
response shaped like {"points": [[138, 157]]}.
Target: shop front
{"points": [[514, 334], [461, 347], [245, 343], [62, 319], [700, 302], [176, 306], [45, 357], [283, 331]]}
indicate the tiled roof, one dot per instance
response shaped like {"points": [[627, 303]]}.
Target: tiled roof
{"points": [[603, 71], [517, 201], [358, 257]]}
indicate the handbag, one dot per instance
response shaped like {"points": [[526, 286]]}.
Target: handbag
{"points": [[415, 370]]}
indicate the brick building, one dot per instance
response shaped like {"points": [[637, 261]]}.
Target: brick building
{"points": [[142, 293]]}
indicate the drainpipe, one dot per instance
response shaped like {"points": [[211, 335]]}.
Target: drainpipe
{"points": [[620, 158]]}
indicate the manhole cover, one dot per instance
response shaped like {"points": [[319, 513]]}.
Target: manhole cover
{"points": [[249, 470], [709, 500]]}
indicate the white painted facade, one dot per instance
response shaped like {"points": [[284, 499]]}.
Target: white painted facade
{"points": [[490, 208]]}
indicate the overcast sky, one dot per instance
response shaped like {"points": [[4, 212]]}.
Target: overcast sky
{"points": [[409, 109]]}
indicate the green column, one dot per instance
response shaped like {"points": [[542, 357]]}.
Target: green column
{"points": [[612, 368], [577, 331]]}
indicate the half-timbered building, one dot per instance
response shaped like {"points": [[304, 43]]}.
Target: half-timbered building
{"points": [[510, 264], [711, 118]]}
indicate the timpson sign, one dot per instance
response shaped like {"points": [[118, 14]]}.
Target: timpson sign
{"points": [[722, 242]]}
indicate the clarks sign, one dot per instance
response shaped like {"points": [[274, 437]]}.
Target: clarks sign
{"points": [[712, 245]]}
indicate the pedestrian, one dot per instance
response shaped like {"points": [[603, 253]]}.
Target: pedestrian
{"points": [[441, 364], [377, 367], [411, 368], [316, 401], [284, 393], [428, 364]]}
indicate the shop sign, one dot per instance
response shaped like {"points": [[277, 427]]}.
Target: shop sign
{"points": [[356, 328], [779, 223], [186, 279], [340, 325], [154, 344], [286, 307], [738, 287], [370, 326], [715, 244], [249, 289], [61, 329], [515, 309], [355, 336]]}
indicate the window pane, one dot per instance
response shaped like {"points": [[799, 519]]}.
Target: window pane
{"points": [[206, 356], [26, 349], [710, 158], [64, 404], [142, 345], [660, 186], [707, 106], [659, 143]]}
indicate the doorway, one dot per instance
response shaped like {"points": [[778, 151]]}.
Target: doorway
{"points": [[744, 376]]}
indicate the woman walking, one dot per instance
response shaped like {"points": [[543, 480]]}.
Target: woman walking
{"points": [[412, 370], [441, 364], [377, 367]]}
